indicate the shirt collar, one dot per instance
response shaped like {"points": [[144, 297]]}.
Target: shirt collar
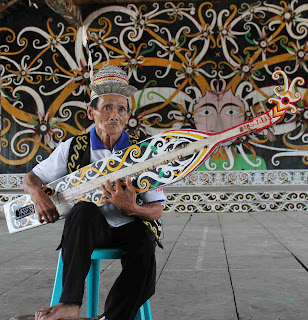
{"points": [[97, 144]]}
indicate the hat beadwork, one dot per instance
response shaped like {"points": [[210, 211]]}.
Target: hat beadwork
{"points": [[111, 79]]}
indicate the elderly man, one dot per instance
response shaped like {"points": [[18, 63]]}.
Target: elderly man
{"points": [[116, 224]]}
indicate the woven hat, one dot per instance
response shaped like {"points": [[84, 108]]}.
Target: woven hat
{"points": [[111, 79]]}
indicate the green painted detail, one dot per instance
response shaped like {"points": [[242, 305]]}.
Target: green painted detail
{"points": [[151, 82], [155, 185], [283, 42], [9, 98], [247, 37], [154, 149], [239, 164], [183, 38], [164, 98], [160, 174], [143, 53]]}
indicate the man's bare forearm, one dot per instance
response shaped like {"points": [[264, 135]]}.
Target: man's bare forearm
{"points": [[32, 183], [148, 211]]}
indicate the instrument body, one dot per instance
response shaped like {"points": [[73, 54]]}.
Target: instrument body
{"points": [[157, 161], [148, 163]]}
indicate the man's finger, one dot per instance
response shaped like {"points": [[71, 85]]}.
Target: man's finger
{"points": [[54, 216], [45, 310], [129, 184], [51, 217], [118, 185], [106, 193], [108, 186], [128, 181], [50, 214], [104, 189], [39, 315], [43, 218], [107, 201]]}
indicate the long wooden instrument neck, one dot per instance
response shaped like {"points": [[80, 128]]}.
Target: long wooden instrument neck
{"points": [[261, 121]]}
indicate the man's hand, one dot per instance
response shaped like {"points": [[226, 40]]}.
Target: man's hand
{"points": [[125, 199], [44, 207]]}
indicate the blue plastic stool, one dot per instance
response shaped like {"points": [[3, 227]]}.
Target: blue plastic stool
{"points": [[144, 313]]}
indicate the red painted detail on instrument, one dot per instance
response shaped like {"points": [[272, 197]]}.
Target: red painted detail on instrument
{"points": [[285, 100]]}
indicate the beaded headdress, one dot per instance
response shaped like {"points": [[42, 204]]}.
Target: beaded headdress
{"points": [[111, 79]]}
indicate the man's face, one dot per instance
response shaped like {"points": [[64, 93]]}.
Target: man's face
{"points": [[110, 115]]}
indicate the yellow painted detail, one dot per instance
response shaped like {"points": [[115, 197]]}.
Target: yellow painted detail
{"points": [[81, 144], [195, 163], [136, 152], [82, 172], [154, 230]]}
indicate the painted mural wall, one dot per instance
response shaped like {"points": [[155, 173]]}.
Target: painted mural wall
{"points": [[196, 64]]}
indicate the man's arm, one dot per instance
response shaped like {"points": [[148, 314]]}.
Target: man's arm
{"points": [[126, 201], [147, 211], [44, 207]]}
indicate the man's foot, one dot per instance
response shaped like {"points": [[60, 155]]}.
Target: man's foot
{"points": [[59, 311]]}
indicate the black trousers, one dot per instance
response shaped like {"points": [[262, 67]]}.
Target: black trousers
{"points": [[86, 229]]}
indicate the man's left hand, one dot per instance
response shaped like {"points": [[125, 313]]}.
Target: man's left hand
{"points": [[125, 199]]}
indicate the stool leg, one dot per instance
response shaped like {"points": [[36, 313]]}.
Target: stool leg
{"points": [[144, 313], [147, 310], [93, 289], [57, 287], [140, 314]]}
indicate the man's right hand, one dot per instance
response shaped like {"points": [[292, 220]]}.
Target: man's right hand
{"points": [[44, 207]]}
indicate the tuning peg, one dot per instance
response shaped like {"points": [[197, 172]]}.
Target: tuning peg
{"points": [[263, 106], [271, 135], [253, 110]]}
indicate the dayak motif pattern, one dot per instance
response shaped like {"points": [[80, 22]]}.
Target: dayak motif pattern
{"points": [[237, 202], [204, 198], [195, 64]]}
